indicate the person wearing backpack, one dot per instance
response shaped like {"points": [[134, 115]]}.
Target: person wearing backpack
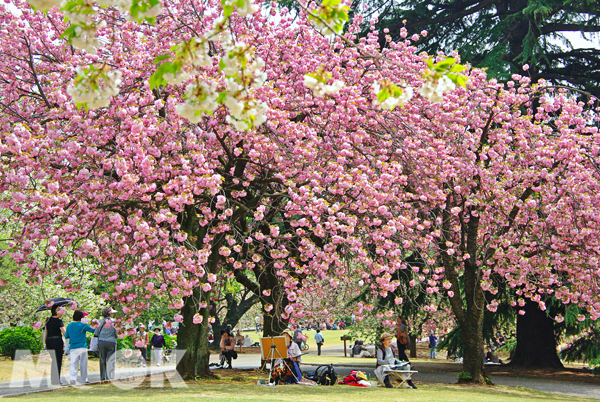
{"points": [[55, 329], [75, 332], [385, 360], [107, 344], [402, 339]]}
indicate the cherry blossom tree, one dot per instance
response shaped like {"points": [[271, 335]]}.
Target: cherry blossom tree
{"points": [[177, 145]]}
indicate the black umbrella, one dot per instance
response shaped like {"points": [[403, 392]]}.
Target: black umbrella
{"points": [[58, 301]]}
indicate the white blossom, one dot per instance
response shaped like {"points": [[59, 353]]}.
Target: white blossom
{"points": [[83, 93], [45, 5], [433, 90], [319, 88]]}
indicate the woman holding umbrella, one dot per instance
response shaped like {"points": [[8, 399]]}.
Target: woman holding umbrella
{"points": [[54, 341]]}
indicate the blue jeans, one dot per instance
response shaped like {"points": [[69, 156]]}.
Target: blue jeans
{"points": [[432, 353]]}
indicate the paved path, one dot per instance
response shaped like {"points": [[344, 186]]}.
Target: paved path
{"points": [[252, 361]]}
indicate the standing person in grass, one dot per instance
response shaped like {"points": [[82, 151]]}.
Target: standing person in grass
{"points": [[298, 336], [157, 344], [432, 345], [402, 339], [54, 342], [75, 332], [319, 339], [141, 341], [107, 344]]}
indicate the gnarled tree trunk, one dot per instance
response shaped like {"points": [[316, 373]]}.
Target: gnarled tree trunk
{"points": [[193, 338]]}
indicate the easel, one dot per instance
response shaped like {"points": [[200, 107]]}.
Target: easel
{"points": [[273, 348]]}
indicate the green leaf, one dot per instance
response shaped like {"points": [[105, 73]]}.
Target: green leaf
{"points": [[162, 57], [134, 9], [69, 32], [222, 64], [445, 64], [457, 68], [157, 78], [227, 10], [383, 94], [221, 97]]}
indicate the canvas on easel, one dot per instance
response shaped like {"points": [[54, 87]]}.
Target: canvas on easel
{"points": [[273, 347]]}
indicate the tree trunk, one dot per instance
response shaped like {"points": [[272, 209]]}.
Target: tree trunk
{"points": [[536, 342], [472, 335], [193, 338], [274, 325], [413, 346]]}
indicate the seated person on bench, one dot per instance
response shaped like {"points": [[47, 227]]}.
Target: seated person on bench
{"points": [[227, 345]]}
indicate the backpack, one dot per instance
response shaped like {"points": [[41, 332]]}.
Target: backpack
{"points": [[402, 336], [324, 375]]}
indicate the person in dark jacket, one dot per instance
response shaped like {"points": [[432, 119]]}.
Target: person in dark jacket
{"points": [[54, 342], [157, 343]]}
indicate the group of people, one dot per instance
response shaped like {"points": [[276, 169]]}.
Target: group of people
{"points": [[75, 333], [77, 347]]}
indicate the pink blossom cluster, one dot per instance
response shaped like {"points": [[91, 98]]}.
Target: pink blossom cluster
{"points": [[331, 188]]}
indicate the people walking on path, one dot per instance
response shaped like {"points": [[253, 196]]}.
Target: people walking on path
{"points": [[107, 344], [157, 344], [319, 339], [78, 348], [55, 329], [141, 341]]}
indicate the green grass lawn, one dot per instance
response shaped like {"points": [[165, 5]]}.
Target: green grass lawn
{"points": [[238, 391], [330, 338]]}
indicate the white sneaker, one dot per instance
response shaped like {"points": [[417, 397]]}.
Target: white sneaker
{"points": [[157, 364]]}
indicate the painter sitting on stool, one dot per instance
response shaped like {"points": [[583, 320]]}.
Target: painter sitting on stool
{"points": [[385, 360], [294, 356]]}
